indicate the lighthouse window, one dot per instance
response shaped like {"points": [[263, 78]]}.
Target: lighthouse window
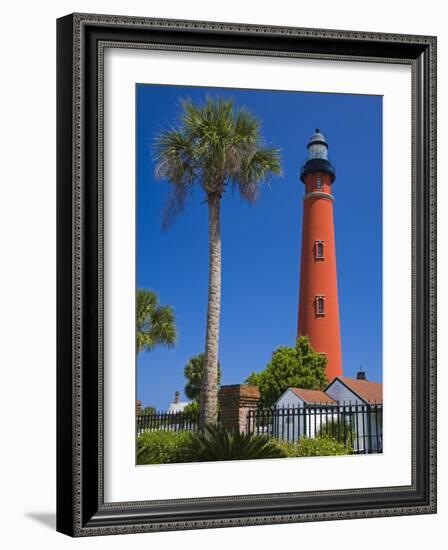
{"points": [[319, 182], [320, 305], [319, 250]]}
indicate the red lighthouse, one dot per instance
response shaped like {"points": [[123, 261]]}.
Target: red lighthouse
{"points": [[318, 301]]}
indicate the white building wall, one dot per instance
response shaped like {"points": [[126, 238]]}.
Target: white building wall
{"points": [[339, 392], [308, 420], [289, 399], [301, 421], [289, 427]]}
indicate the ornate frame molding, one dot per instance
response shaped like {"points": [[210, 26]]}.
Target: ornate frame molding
{"points": [[81, 42]]}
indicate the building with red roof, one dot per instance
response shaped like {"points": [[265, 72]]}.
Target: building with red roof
{"points": [[358, 401]]}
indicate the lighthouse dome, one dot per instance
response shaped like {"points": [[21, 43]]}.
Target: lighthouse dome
{"points": [[317, 146], [317, 137], [317, 160]]}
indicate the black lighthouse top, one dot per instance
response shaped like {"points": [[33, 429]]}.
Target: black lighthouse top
{"points": [[317, 160]]}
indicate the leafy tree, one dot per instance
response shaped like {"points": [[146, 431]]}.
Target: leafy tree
{"points": [[194, 372], [298, 366], [213, 146], [149, 410], [155, 323]]}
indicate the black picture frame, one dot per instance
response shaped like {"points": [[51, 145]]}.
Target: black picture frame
{"points": [[81, 510]]}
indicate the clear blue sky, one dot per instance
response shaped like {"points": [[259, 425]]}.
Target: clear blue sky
{"points": [[261, 243]]}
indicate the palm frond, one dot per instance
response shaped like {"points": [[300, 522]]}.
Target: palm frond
{"points": [[175, 162], [213, 143], [256, 169], [155, 323], [247, 127], [218, 443]]}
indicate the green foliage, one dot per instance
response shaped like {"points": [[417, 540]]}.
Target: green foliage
{"points": [[320, 446], [162, 447], [213, 145], [217, 443], [155, 323], [342, 432], [298, 366], [192, 408], [193, 372], [148, 410]]}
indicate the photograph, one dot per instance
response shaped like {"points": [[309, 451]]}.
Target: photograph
{"points": [[258, 292]]}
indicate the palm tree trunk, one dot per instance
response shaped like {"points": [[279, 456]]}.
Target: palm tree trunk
{"points": [[209, 389]]}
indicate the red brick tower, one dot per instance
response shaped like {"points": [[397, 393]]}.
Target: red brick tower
{"points": [[318, 301]]}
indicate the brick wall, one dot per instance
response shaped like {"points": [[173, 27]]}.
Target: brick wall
{"points": [[236, 401]]}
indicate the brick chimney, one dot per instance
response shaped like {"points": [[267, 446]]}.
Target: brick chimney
{"points": [[361, 375], [138, 407], [176, 396], [236, 401]]}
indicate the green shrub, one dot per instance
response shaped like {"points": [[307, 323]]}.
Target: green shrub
{"points": [[344, 433], [218, 443], [162, 447], [320, 446], [192, 408]]}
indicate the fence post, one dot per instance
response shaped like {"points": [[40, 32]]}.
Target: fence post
{"points": [[236, 401]]}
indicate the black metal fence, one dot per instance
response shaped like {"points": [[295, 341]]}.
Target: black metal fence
{"points": [[359, 426], [173, 422]]}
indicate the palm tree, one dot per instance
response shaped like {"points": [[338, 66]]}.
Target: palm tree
{"points": [[155, 323], [213, 146], [194, 372]]}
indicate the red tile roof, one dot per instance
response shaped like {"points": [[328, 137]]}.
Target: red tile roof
{"points": [[372, 392], [312, 396]]}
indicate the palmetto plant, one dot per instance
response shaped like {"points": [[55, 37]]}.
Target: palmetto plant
{"points": [[213, 146], [218, 443], [155, 323]]}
